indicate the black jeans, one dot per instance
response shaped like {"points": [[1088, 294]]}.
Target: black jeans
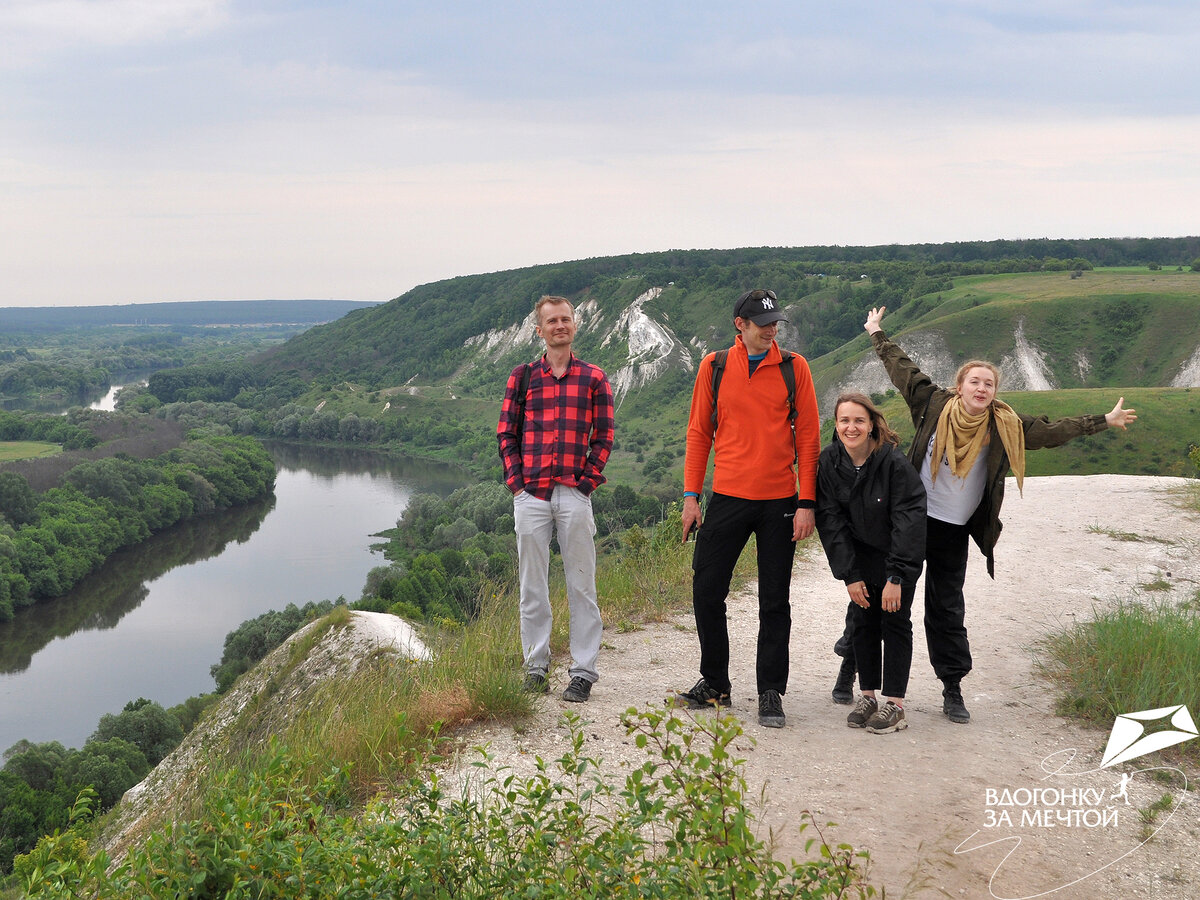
{"points": [[887, 635], [727, 527], [946, 548]]}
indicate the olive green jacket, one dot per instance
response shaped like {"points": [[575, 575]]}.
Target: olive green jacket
{"points": [[925, 403]]}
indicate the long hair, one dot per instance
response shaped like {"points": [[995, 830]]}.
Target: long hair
{"points": [[880, 432]]}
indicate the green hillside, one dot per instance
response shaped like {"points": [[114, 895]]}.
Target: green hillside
{"points": [[1168, 427], [429, 366]]}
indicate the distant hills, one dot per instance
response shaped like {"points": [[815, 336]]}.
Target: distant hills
{"points": [[186, 313]]}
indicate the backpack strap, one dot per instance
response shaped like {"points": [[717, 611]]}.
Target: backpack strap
{"points": [[522, 390], [718, 372], [786, 370]]}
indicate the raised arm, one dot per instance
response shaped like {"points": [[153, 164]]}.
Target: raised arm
{"points": [[873, 319]]}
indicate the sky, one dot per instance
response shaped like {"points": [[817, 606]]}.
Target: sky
{"points": [[166, 150]]}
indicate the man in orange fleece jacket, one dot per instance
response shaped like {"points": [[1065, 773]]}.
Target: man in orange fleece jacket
{"points": [[764, 483]]}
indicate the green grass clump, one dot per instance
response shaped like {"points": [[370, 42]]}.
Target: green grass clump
{"points": [[1130, 658]]}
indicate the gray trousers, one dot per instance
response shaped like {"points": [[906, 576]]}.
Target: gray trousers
{"points": [[569, 512]]}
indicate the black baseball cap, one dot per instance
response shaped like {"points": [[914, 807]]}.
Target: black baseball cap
{"points": [[760, 307]]}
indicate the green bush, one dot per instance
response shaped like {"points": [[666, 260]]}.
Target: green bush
{"points": [[677, 826]]}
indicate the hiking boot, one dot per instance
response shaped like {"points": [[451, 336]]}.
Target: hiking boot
{"points": [[701, 696], [953, 706], [843, 689], [536, 683], [888, 718], [863, 710], [770, 710], [578, 690]]}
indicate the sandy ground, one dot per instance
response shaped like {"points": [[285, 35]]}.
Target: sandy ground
{"points": [[924, 801]]}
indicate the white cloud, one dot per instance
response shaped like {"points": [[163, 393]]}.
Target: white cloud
{"points": [[111, 22]]}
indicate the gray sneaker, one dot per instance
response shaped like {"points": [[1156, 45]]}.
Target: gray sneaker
{"points": [[578, 690], [536, 683], [863, 710], [888, 718]]}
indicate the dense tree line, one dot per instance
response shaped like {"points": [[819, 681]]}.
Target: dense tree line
{"points": [[50, 541], [39, 782], [52, 429]]}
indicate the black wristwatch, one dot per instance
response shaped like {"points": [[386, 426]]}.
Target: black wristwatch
{"points": [[894, 579]]}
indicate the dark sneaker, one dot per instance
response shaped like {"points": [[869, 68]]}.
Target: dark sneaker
{"points": [[863, 710], [701, 696], [953, 706], [536, 683], [888, 718], [843, 689], [770, 710], [578, 690]]}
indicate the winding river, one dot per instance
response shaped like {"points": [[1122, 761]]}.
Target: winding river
{"points": [[153, 620]]}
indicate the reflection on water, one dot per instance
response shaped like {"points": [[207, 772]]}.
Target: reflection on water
{"points": [[153, 620], [122, 582]]}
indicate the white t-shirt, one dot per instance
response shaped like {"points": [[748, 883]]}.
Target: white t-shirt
{"points": [[950, 498]]}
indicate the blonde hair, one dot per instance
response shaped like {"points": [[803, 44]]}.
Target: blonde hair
{"points": [[547, 299], [976, 364], [880, 432]]}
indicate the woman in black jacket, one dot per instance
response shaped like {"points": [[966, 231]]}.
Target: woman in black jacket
{"points": [[871, 519]]}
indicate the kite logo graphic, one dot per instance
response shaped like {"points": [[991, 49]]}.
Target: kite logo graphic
{"points": [[1129, 740]]}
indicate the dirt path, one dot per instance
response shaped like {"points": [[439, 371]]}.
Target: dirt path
{"points": [[913, 797]]}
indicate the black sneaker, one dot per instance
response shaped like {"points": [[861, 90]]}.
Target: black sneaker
{"points": [[701, 696], [770, 710], [953, 706], [843, 689], [578, 690], [536, 683], [863, 710]]}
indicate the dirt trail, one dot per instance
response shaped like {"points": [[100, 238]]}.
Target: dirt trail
{"points": [[914, 797]]}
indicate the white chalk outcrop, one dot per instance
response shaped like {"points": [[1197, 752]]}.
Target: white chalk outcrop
{"points": [[652, 347], [1189, 372], [262, 701]]}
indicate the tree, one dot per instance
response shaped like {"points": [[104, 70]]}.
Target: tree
{"points": [[146, 725], [17, 503]]}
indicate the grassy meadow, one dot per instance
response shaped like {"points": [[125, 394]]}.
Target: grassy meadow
{"points": [[10, 450]]}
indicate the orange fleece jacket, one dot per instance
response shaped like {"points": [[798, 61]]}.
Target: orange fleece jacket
{"points": [[753, 458]]}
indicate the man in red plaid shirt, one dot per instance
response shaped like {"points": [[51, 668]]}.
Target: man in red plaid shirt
{"points": [[555, 437]]}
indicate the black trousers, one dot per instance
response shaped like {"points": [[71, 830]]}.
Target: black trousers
{"points": [[946, 548], [727, 527], [882, 641]]}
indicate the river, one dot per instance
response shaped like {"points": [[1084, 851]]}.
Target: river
{"points": [[153, 620]]}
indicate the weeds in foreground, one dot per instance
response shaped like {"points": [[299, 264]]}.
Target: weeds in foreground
{"points": [[676, 826], [1132, 657]]}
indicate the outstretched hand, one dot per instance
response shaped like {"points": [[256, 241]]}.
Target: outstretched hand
{"points": [[1120, 418], [873, 318]]}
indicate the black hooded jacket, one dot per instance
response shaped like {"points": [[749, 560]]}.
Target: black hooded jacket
{"points": [[878, 509]]}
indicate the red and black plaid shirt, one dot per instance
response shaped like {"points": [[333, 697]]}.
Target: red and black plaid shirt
{"points": [[567, 432]]}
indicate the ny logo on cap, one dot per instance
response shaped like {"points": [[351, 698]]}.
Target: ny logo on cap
{"points": [[767, 304]]}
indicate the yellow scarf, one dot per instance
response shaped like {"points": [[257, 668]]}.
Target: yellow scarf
{"points": [[961, 436]]}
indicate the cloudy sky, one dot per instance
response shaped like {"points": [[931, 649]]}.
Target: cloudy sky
{"points": [[216, 149]]}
